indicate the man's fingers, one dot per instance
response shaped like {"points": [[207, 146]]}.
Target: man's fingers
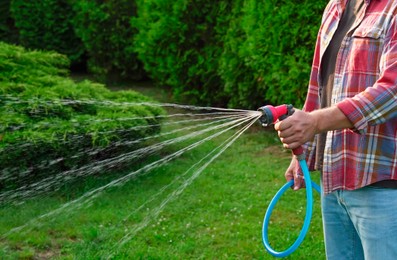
{"points": [[282, 125], [298, 182]]}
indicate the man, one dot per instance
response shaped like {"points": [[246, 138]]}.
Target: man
{"points": [[348, 127]]}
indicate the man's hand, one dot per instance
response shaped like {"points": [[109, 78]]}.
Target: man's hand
{"points": [[301, 127], [297, 129], [293, 173]]}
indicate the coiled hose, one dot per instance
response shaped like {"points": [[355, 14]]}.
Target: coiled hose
{"points": [[309, 210]]}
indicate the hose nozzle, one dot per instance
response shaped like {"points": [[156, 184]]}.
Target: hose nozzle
{"points": [[271, 114]]}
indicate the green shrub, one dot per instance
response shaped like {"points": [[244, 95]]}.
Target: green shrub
{"points": [[105, 29], [239, 54], [222, 53], [268, 51], [7, 32], [179, 46], [46, 25], [47, 117]]}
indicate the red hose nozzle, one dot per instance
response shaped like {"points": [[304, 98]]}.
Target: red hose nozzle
{"points": [[271, 114]]}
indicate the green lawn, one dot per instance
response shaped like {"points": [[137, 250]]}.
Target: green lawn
{"points": [[168, 214]]}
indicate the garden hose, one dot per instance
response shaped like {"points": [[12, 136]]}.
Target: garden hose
{"points": [[309, 210], [270, 115]]}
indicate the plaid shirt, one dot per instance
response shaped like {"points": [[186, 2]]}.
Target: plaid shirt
{"points": [[365, 89]]}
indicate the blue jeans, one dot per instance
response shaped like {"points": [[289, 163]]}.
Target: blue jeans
{"points": [[360, 224]]}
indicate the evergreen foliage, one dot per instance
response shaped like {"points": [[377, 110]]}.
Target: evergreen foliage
{"points": [[223, 53], [268, 51], [178, 42], [107, 34], [236, 54], [7, 30], [47, 25], [45, 116]]}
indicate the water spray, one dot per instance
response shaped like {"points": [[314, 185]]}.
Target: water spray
{"points": [[270, 115]]}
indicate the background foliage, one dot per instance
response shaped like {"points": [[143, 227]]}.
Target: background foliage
{"points": [[47, 25], [238, 54], [107, 34], [268, 50], [179, 45], [7, 28], [46, 116], [242, 53]]}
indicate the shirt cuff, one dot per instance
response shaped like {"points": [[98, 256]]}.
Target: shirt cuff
{"points": [[352, 111]]}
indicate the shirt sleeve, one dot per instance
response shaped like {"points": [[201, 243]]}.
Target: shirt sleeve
{"points": [[378, 103]]}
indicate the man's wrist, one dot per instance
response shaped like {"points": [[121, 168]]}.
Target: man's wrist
{"points": [[328, 119]]}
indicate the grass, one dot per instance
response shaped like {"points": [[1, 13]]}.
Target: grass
{"points": [[218, 216]]}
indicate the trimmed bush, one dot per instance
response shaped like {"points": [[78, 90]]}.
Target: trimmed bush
{"points": [[46, 25], [105, 29], [46, 117]]}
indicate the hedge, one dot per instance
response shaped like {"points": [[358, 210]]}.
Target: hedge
{"points": [[236, 54], [178, 43], [223, 53], [47, 117], [7, 29], [105, 29], [268, 51], [47, 25]]}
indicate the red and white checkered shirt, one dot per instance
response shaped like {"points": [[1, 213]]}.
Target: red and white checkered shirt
{"points": [[365, 89]]}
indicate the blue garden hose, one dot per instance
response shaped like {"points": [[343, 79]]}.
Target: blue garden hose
{"points": [[270, 115], [309, 210]]}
